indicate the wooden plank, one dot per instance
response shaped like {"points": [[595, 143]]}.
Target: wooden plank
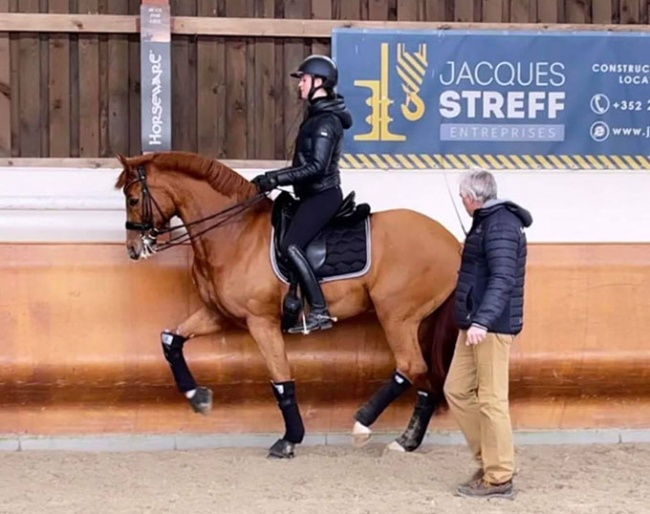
{"points": [[59, 87], [184, 106], [280, 152], [392, 10], [22, 22], [301, 28], [321, 10], [376, 10], [113, 163], [548, 11], [436, 10], [30, 88], [466, 11], [523, 11], [211, 86], [104, 136], [408, 10], [236, 108], [89, 89], [493, 10], [551, 12], [264, 73], [348, 10], [5, 88], [294, 53], [14, 84], [603, 11], [630, 11], [577, 11], [118, 84], [254, 101], [74, 87], [44, 82], [135, 114]]}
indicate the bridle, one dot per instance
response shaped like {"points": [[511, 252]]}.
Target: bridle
{"points": [[148, 230]]}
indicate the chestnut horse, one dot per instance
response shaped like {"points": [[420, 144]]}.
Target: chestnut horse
{"points": [[409, 285]]}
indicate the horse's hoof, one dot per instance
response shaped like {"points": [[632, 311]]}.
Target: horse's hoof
{"points": [[282, 449], [201, 402], [396, 447], [361, 435]]}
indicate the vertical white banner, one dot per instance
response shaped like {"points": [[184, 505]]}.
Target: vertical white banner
{"points": [[156, 72]]}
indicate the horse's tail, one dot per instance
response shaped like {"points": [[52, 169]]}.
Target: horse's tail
{"points": [[437, 336]]}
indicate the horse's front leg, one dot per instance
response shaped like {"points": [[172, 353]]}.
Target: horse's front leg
{"points": [[202, 322], [268, 335]]}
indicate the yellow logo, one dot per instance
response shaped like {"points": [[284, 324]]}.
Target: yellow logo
{"points": [[379, 119], [411, 67]]}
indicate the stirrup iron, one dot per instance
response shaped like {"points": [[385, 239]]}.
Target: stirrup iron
{"points": [[323, 322]]}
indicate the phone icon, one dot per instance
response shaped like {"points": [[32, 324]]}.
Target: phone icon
{"points": [[600, 103]]}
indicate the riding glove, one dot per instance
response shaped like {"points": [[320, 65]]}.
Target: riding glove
{"points": [[265, 182]]}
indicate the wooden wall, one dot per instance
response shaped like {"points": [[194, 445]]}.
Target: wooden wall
{"points": [[72, 95]]}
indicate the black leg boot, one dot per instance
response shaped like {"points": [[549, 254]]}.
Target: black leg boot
{"points": [[319, 317]]}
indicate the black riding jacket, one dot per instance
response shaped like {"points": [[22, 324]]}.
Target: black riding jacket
{"points": [[315, 166]]}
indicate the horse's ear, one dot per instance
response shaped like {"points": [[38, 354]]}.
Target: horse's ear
{"points": [[123, 160]]}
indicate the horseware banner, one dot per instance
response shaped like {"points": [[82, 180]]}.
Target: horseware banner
{"points": [[156, 72], [498, 100]]}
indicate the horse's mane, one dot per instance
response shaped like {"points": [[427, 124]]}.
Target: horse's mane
{"points": [[218, 175]]}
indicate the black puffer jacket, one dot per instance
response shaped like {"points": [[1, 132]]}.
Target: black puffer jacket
{"points": [[490, 290], [315, 166]]}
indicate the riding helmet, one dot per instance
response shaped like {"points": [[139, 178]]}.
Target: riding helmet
{"points": [[319, 66]]}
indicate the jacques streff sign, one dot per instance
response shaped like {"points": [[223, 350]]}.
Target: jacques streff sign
{"points": [[156, 70], [496, 99]]}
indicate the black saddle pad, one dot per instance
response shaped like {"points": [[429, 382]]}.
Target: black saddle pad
{"points": [[340, 251]]}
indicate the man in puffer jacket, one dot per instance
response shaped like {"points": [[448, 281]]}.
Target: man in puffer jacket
{"points": [[489, 313]]}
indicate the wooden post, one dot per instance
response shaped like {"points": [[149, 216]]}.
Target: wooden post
{"points": [[156, 73]]}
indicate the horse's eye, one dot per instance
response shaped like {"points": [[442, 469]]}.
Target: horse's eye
{"points": [[133, 201]]}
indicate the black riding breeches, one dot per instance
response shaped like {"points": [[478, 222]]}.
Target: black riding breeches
{"points": [[310, 218]]}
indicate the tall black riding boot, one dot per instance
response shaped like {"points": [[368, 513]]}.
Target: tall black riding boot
{"points": [[319, 317]]}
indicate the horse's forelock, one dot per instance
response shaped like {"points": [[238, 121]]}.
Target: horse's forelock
{"points": [[122, 179]]}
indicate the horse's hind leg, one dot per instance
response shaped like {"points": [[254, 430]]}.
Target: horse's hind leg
{"points": [[268, 335], [203, 322], [402, 336], [437, 336]]}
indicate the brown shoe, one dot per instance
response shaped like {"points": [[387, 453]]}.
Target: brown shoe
{"points": [[482, 489]]}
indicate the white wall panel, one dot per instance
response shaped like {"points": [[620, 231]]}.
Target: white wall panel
{"points": [[80, 205]]}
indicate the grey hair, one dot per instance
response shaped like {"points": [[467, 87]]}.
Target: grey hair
{"points": [[479, 185]]}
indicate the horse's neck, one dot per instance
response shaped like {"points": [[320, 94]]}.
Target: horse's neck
{"points": [[199, 202]]}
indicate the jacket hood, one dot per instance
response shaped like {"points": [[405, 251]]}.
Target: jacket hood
{"points": [[332, 105], [491, 206]]}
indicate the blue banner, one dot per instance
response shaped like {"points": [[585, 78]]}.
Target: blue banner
{"points": [[495, 99]]}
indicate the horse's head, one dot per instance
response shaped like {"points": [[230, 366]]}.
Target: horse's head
{"points": [[149, 204]]}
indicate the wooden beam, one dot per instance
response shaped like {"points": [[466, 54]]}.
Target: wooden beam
{"points": [[113, 163], [88, 23], [261, 27]]}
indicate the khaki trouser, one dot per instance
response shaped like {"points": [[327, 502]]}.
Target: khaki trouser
{"points": [[477, 391]]}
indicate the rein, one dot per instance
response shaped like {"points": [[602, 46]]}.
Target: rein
{"points": [[150, 233]]}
